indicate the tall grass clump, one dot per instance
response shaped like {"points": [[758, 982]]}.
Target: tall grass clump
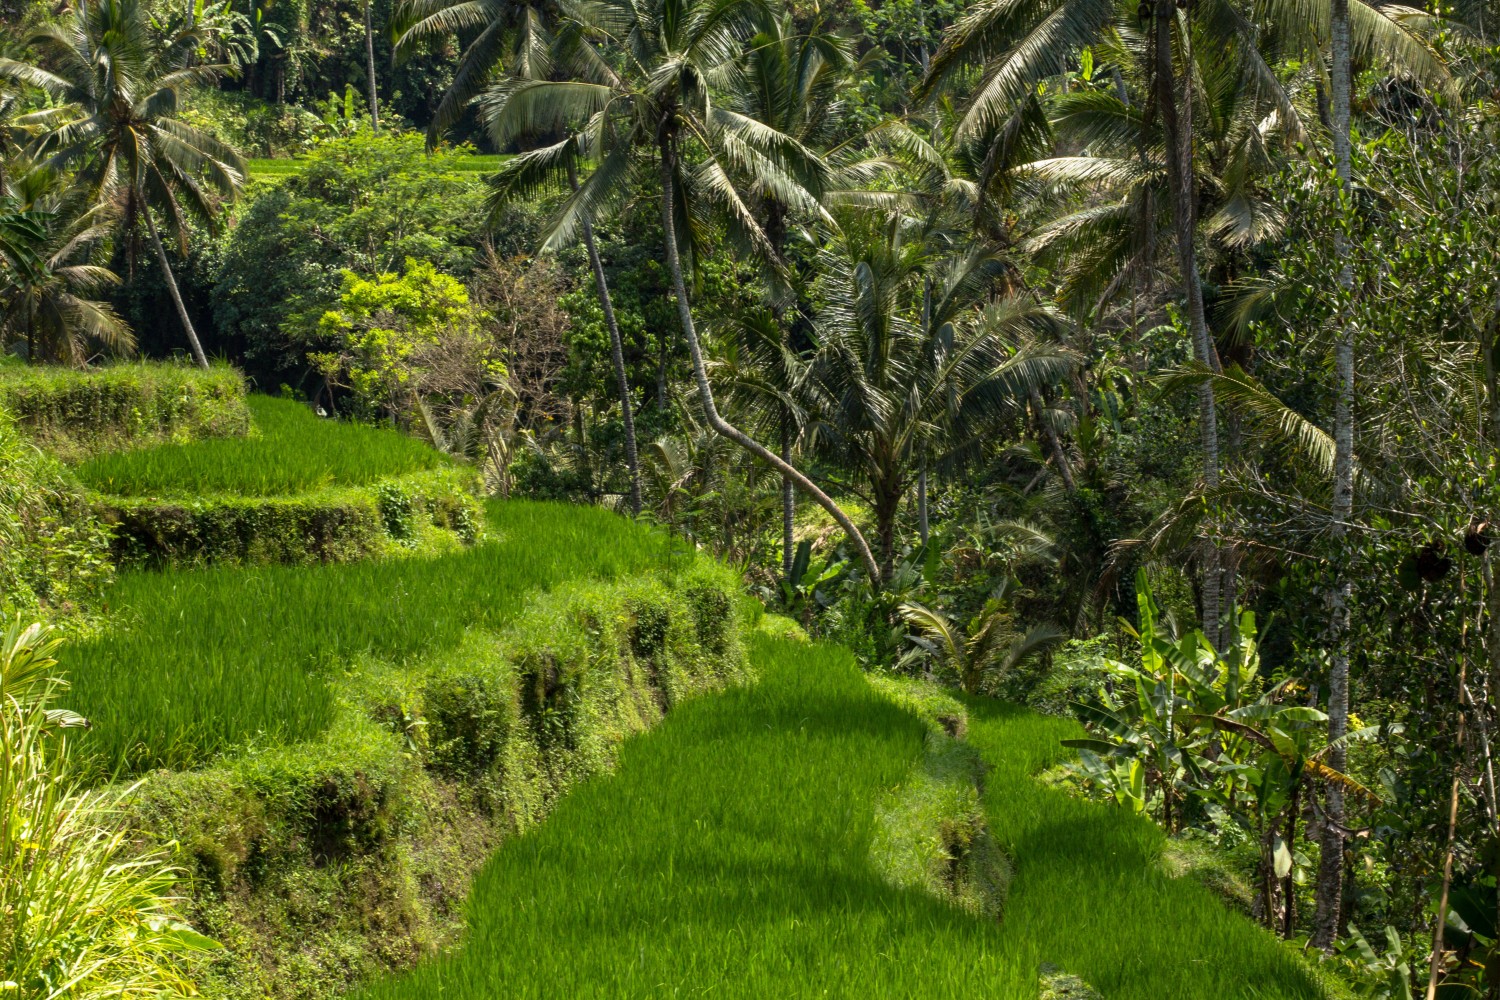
{"points": [[291, 450], [204, 660], [83, 915], [78, 412]]}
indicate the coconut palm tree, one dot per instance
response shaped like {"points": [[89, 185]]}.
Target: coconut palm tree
{"points": [[899, 378], [657, 115], [49, 299], [121, 85], [792, 81]]}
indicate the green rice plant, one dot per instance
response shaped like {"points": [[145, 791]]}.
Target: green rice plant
{"points": [[279, 167], [204, 660], [729, 855], [292, 451], [83, 915], [77, 412]]}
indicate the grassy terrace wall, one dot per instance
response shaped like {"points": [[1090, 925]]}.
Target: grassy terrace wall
{"points": [[74, 413]]}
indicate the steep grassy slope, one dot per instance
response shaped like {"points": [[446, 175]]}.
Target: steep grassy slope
{"points": [[729, 857]]}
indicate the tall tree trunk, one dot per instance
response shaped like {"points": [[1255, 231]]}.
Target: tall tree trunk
{"points": [[788, 507], [924, 528], [1435, 966], [182, 314], [705, 391], [1327, 920], [1179, 133], [370, 71], [1059, 456], [616, 355]]}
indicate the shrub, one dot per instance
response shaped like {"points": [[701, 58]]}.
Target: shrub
{"points": [[74, 412]]}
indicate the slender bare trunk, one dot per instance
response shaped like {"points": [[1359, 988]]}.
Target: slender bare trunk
{"points": [[370, 72], [1435, 966], [616, 355], [182, 314], [1327, 920], [1178, 123], [788, 507], [705, 391], [923, 527]]}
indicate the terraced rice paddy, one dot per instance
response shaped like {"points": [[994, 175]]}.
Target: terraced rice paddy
{"points": [[479, 164], [291, 450], [728, 857], [208, 659]]}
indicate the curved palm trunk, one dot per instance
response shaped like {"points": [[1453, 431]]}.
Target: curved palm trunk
{"points": [[616, 355], [1327, 919], [706, 394], [370, 72], [166, 271], [1179, 134]]}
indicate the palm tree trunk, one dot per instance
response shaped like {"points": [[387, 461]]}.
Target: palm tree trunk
{"points": [[706, 394], [1435, 966], [370, 72], [1179, 132], [1327, 920], [182, 314], [924, 528], [616, 355], [788, 508], [1059, 456]]}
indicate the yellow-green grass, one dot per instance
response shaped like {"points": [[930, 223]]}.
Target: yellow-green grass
{"points": [[202, 661], [478, 164], [729, 856], [291, 450]]}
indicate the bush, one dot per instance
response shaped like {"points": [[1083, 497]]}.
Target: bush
{"points": [[74, 412], [54, 555], [332, 525]]}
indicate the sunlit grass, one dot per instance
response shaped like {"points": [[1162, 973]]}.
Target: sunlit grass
{"points": [[266, 169], [728, 857], [292, 451], [205, 660]]}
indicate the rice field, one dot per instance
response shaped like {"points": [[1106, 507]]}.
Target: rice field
{"points": [[291, 450], [478, 164], [205, 660], [727, 857]]}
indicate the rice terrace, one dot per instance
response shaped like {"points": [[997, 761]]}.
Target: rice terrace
{"points": [[749, 499]]}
